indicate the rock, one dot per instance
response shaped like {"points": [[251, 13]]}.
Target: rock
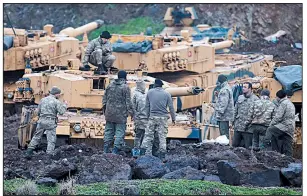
{"points": [[105, 167], [266, 177], [187, 173], [131, 190], [212, 178], [175, 162], [228, 173], [47, 181], [59, 170], [293, 174], [149, 167], [173, 144], [224, 155]]}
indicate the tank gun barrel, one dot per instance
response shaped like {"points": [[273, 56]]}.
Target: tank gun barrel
{"points": [[222, 45], [71, 32], [184, 91]]}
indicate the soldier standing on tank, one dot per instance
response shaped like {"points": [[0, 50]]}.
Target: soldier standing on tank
{"points": [[117, 106], [281, 129], [260, 115], [48, 109], [99, 53], [242, 136], [157, 102], [224, 107]]}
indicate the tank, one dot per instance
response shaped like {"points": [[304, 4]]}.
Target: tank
{"points": [[84, 92], [42, 48]]}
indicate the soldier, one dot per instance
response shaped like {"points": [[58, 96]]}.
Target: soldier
{"points": [[116, 106], [157, 101], [281, 128], [140, 118], [243, 137], [48, 109], [99, 53], [224, 107], [260, 115]]}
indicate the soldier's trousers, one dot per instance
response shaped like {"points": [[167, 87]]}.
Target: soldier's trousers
{"points": [[242, 139], [51, 138], [97, 58], [224, 128], [139, 137], [280, 141], [117, 130], [258, 134], [156, 125]]}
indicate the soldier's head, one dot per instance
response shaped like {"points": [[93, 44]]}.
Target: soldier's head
{"points": [[281, 94], [122, 75], [247, 88], [289, 93], [105, 35], [221, 79], [55, 91], [158, 83], [265, 93]]}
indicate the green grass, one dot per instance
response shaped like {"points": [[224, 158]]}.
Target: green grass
{"points": [[161, 187], [133, 26]]}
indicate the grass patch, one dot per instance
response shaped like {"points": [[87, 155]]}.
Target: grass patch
{"points": [[161, 187], [133, 26]]}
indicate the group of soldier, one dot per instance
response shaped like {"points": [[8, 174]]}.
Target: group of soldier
{"points": [[258, 123]]}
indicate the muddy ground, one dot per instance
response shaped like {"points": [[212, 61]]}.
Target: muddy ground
{"points": [[89, 164]]}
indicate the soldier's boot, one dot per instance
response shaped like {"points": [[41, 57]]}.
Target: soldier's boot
{"points": [[102, 70], [115, 150], [29, 153], [106, 148], [161, 155], [142, 151], [85, 68]]}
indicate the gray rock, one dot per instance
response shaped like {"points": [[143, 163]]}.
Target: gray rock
{"points": [[224, 155], [59, 170], [228, 173], [188, 173], [212, 178], [177, 162], [173, 144], [47, 181], [293, 174], [149, 167], [105, 167], [131, 190], [267, 178]]}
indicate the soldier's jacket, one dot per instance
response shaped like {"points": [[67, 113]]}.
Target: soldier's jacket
{"points": [[94, 45], [224, 107], [261, 112], [117, 99], [284, 118], [139, 101], [241, 111], [48, 109]]}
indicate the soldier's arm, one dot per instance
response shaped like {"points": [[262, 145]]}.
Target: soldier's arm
{"points": [[128, 102], [250, 116], [89, 49], [147, 106], [279, 114], [134, 102], [61, 108], [222, 101], [171, 107]]}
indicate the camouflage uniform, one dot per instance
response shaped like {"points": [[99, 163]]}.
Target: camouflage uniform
{"points": [[157, 101], [242, 136], [48, 109], [98, 53], [282, 128], [117, 102], [140, 117], [224, 108], [260, 115]]}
